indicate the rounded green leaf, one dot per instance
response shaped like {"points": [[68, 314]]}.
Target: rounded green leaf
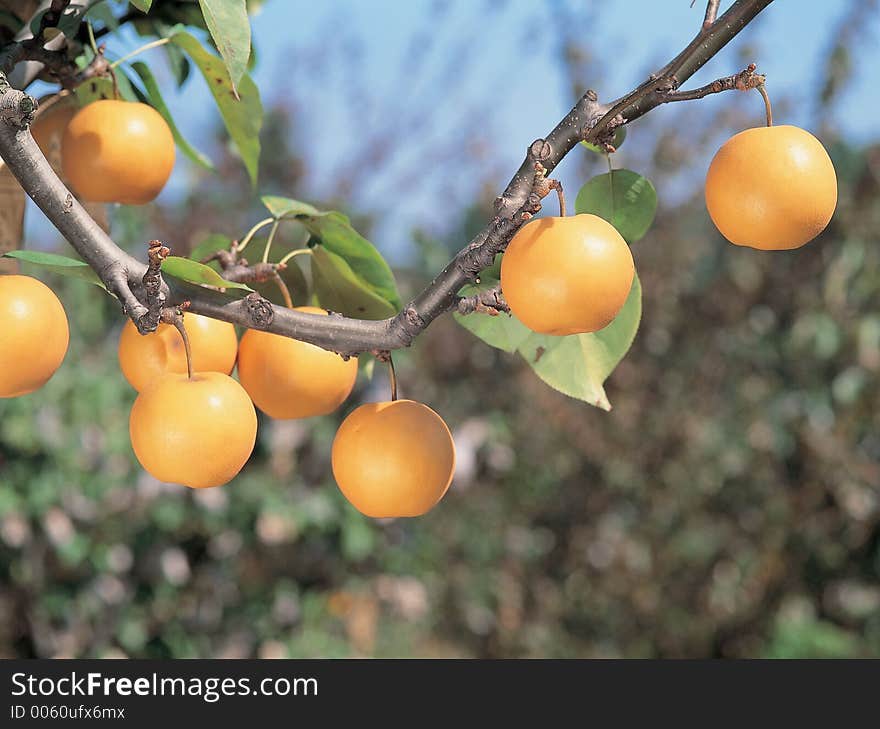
{"points": [[578, 364], [622, 197]]}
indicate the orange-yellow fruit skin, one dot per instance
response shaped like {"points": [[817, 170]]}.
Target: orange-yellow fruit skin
{"points": [[771, 188], [117, 151], [48, 129], [197, 432], [33, 335], [567, 275], [289, 379], [393, 459], [143, 358]]}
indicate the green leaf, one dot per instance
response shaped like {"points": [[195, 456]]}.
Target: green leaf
{"points": [[617, 141], [578, 364], [284, 207], [227, 21], [58, 264], [624, 198], [158, 103], [142, 5], [242, 114], [350, 275], [339, 288], [504, 331], [96, 89], [212, 243], [195, 272]]}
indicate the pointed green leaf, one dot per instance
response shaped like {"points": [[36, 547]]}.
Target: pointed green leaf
{"points": [[142, 5], [195, 272], [62, 265], [624, 198], [242, 114], [212, 243], [284, 207], [227, 21], [578, 364], [158, 103], [350, 274], [339, 288]]}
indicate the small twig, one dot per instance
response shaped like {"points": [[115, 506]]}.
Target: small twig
{"points": [[155, 298], [489, 302], [743, 81], [711, 14], [238, 270], [174, 315], [543, 185]]}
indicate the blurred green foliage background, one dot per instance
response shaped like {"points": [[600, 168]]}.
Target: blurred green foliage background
{"points": [[729, 504]]}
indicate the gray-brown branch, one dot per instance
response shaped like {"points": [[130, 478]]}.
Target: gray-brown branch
{"points": [[588, 120]]}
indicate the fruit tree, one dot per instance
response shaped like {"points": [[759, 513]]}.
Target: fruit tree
{"points": [[561, 290]]}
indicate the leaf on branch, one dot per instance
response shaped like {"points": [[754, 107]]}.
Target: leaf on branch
{"points": [[154, 95], [227, 21], [339, 288], [350, 275], [142, 5], [242, 113], [195, 272], [575, 365], [624, 198], [62, 265]]}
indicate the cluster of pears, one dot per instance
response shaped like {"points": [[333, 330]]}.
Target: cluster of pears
{"points": [[390, 459], [770, 188], [112, 151]]}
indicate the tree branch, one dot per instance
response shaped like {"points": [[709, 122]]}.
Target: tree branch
{"points": [[588, 120]]}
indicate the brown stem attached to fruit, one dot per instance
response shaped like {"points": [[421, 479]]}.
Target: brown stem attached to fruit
{"points": [[392, 376], [174, 316], [764, 95]]}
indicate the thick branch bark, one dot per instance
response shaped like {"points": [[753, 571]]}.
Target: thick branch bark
{"points": [[588, 120]]}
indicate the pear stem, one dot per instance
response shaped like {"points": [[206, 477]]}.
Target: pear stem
{"points": [[392, 376], [177, 321], [763, 93]]}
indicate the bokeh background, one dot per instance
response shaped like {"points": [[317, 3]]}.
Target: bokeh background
{"points": [[729, 504]]}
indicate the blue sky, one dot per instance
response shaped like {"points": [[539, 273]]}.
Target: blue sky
{"points": [[506, 74]]}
